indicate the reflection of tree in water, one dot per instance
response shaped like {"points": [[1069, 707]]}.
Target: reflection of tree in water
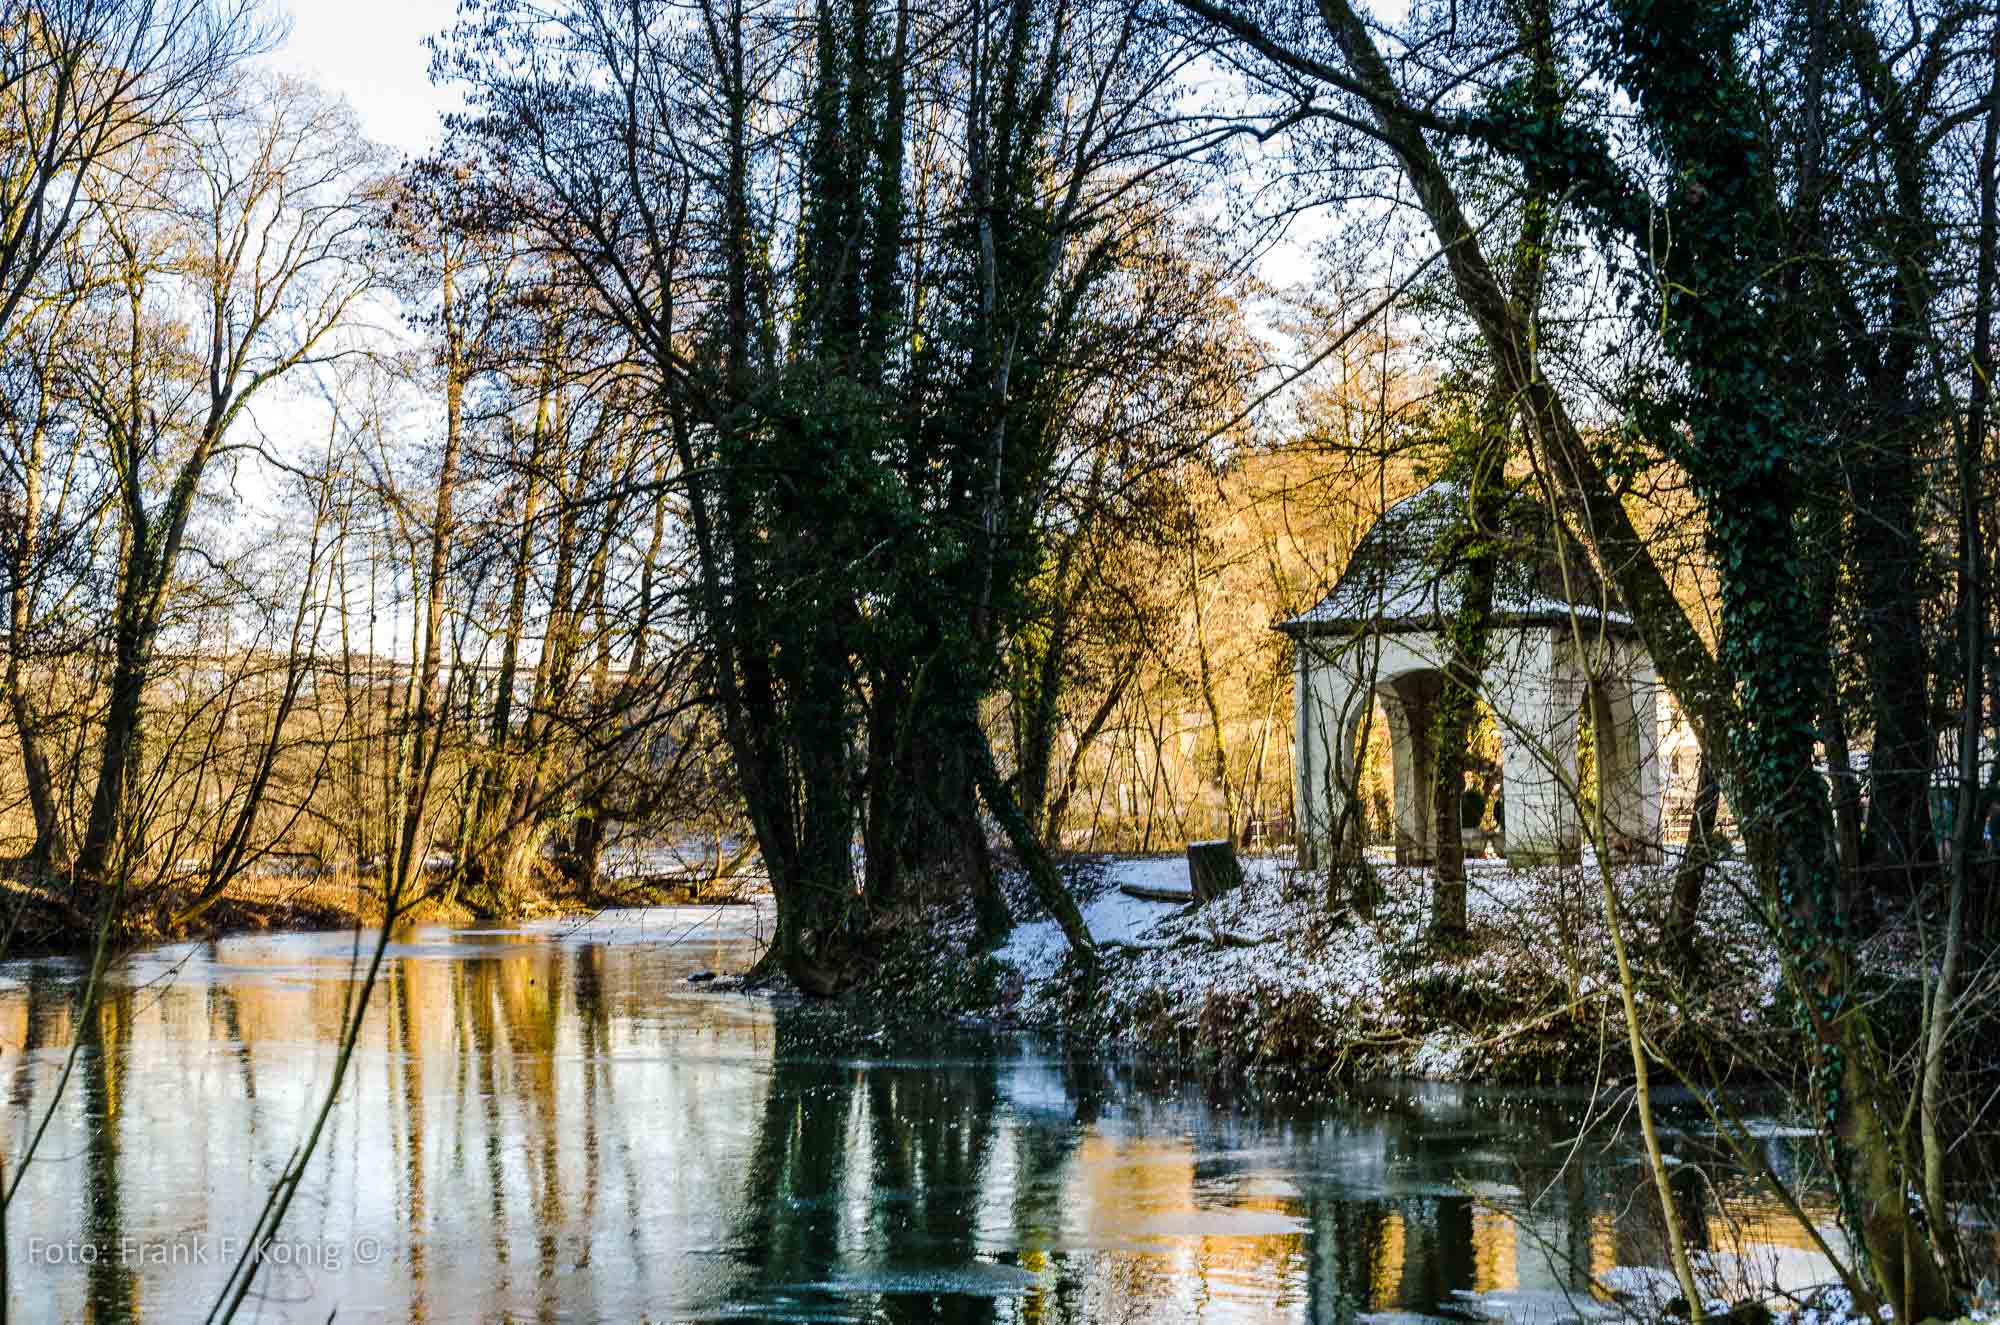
{"points": [[533, 1009], [795, 1172], [405, 1068], [1418, 1251], [225, 1009], [593, 1033], [35, 1014], [476, 1105], [107, 1035], [508, 1008], [474, 999], [860, 1178], [603, 1120], [933, 1131], [1042, 1153], [929, 1132], [1558, 1215], [1349, 1244], [1439, 1253]]}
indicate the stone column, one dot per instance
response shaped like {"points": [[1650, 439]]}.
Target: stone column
{"points": [[1651, 794], [1323, 693], [1537, 694], [1627, 719], [1309, 819], [1411, 702]]}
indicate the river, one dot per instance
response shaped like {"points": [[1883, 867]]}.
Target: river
{"points": [[551, 1122]]}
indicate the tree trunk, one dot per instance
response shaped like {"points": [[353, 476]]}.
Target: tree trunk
{"points": [[1468, 646], [1447, 791], [1900, 850], [1974, 598], [1042, 873], [989, 906], [118, 755], [426, 736], [1691, 877], [1205, 676], [50, 852]]}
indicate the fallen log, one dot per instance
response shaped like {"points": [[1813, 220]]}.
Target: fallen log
{"points": [[1220, 938], [1145, 893]]}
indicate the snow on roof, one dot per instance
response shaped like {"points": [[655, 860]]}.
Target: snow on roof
{"points": [[1403, 575]]}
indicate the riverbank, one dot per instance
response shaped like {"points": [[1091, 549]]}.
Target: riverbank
{"points": [[1276, 977], [40, 919], [44, 919]]}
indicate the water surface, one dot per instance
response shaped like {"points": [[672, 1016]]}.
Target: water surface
{"points": [[551, 1122]]}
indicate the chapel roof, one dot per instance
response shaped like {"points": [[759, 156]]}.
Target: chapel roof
{"points": [[1404, 574]]}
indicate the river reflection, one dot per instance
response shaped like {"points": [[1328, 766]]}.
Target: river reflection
{"points": [[551, 1122]]}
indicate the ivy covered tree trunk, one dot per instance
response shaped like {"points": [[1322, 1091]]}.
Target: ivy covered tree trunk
{"points": [[885, 812], [1899, 849], [1479, 460], [1745, 446], [1457, 701], [822, 917], [1038, 657], [975, 856]]}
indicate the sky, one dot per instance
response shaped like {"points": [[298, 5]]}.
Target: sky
{"points": [[372, 53]]}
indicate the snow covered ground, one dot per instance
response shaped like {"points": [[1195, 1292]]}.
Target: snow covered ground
{"points": [[1274, 973], [1037, 948]]}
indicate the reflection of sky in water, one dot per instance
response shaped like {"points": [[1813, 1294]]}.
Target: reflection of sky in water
{"points": [[547, 1119]]}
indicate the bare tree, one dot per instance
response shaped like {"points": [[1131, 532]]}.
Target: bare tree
{"points": [[82, 83], [238, 263]]}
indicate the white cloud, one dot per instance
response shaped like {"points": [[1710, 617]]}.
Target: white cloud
{"points": [[372, 53]]}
